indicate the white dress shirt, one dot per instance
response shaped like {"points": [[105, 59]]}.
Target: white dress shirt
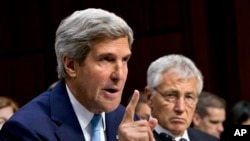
{"points": [[84, 117], [159, 129]]}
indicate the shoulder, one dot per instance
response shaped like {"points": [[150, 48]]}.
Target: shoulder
{"points": [[33, 110], [28, 119], [196, 135]]}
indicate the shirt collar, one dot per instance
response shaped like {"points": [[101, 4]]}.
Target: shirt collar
{"points": [[159, 129], [185, 136], [83, 115]]}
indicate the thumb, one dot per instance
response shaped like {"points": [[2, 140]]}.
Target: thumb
{"points": [[152, 123]]}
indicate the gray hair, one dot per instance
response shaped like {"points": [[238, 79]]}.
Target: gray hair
{"points": [[174, 62], [79, 32]]}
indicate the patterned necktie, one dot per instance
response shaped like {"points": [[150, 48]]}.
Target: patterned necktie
{"points": [[166, 137], [183, 139], [96, 125]]}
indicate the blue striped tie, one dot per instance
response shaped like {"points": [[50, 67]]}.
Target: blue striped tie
{"points": [[96, 124]]}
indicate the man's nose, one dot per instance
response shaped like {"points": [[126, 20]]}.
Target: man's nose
{"points": [[117, 71], [179, 105], [220, 127]]}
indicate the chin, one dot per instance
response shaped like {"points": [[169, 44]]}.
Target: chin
{"points": [[178, 130], [110, 107]]}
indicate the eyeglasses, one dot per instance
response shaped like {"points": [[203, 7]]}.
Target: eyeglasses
{"points": [[173, 97]]}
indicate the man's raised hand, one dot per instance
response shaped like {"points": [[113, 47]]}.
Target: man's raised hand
{"points": [[130, 130]]}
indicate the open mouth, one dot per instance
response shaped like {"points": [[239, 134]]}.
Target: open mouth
{"points": [[111, 90]]}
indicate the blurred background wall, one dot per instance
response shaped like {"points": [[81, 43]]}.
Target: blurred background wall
{"points": [[214, 34]]}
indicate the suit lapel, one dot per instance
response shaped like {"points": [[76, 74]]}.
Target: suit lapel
{"points": [[63, 115], [64, 133], [156, 136], [111, 126], [113, 120]]}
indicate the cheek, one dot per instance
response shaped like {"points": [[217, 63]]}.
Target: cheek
{"points": [[155, 104], [97, 78], [190, 112], [162, 109]]}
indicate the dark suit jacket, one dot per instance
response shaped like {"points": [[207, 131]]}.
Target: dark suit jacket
{"points": [[194, 135], [50, 117]]}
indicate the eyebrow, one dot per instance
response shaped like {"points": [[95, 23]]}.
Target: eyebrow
{"points": [[177, 92], [112, 54]]}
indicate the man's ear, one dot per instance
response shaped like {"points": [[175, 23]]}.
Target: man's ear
{"points": [[69, 66], [148, 95], [196, 119]]}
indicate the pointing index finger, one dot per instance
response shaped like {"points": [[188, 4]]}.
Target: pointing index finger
{"points": [[130, 109]]}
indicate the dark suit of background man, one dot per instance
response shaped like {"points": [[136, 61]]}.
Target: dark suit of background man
{"points": [[93, 47], [173, 85]]}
